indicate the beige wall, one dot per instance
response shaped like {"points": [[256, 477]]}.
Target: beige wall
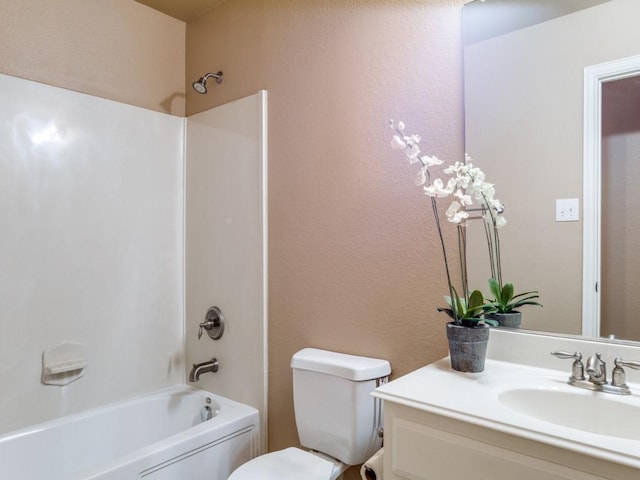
{"points": [[116, 49], [524, 126], [353, 260]]}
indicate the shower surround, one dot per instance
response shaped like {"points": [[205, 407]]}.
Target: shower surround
{"points": [[92, 200], [90, 250], [226, 246]]}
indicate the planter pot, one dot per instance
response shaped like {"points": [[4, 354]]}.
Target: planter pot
{"points": [[467, 347], [511, 319]]}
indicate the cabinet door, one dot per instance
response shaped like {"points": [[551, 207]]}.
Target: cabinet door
{"points": [[421, 452]]}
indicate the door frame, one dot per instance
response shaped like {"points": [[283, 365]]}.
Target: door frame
{"points": [[594, 77]]}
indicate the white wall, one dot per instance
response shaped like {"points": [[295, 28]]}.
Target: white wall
{"points": [[91, 223], [226, 246]]}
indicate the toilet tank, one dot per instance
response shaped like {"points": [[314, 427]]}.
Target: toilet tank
{"points": [[335, 412]]}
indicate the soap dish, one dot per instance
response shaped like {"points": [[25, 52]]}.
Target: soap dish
{"points": [[63, 363]]}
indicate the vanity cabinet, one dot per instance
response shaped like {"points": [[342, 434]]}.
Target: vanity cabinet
{"points": [[444, 425], [424, 446]]}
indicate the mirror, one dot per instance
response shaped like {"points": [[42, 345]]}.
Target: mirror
{"points": [[524, 96]]}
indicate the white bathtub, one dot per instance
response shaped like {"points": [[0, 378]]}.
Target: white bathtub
{"points": [[156, 437]]}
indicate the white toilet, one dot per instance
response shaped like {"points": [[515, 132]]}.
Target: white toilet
{"points": [[336, 416]]}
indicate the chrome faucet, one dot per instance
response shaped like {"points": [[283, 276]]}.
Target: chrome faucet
{"points": [[204, 367], [597, 370]]}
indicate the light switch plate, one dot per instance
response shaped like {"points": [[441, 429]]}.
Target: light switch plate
{"points": [[567, 210]]}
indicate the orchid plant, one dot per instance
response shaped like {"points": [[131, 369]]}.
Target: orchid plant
{"points": [[469, 193]]}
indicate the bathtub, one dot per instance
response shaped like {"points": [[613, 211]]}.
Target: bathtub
{"points": [[156, 437]]}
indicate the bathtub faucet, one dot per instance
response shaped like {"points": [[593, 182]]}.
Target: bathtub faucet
{"points": [[204, 367]]}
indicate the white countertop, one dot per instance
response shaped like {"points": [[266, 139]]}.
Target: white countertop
{"points": [[474, 398]]}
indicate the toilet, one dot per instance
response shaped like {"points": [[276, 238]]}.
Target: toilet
{"points": [[337, 418]]}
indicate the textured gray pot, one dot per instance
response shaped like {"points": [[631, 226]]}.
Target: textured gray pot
{"points": [[467, 347], [511, 319]]}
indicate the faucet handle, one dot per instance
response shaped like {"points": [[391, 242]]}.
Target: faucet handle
{"points": [[618, 377], [619, 362], [207, 325], [564, 354], [213, 324], [577, 369]]}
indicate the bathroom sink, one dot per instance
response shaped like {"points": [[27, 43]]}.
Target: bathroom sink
{"points": [[593, 412]]}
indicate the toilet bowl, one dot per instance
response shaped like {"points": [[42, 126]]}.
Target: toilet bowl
{"points": [[289, 464], [336, 417]]}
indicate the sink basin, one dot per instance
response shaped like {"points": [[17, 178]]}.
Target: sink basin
{"points": [[593, 412]]}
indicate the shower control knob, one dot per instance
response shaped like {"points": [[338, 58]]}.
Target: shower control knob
{"points": [[213, 324]]}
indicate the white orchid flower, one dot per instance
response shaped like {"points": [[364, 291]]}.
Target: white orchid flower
{"points": [[398, 143], [477, 175], [464, 199], [495, 218], [460, 168], [463, 181], [497, 206], [421, 179], [437, 189], [488, 189], [412, 152], [430, 161], [484, 192], [409, 145], [478, 183], [454, 214]]}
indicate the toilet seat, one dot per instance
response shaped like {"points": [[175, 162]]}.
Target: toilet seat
{"points": [[288, 464]]}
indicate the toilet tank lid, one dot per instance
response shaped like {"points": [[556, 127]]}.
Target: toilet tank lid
{"points": [[351, 367]]}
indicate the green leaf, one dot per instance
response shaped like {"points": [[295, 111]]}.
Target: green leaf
{"points": [[527, 293], [507, 293], [448, 311], [476, 299], [527, 302], [461, 305], [505, 299], [495, 289]]}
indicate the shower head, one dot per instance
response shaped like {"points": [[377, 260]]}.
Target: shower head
{"points": [[200, 86]]}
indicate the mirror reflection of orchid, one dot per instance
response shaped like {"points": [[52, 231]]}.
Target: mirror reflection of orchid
{"points": [[506, 301], [469, 193]]}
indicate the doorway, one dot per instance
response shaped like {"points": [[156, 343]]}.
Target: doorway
{"points": [[611, 177], [620, 219]]}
